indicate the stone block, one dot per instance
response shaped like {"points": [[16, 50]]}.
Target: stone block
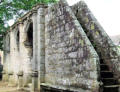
{"points": [[20, 82], [27, 79]]}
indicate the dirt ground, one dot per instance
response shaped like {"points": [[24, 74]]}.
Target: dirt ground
{"points": [[5, 88]]}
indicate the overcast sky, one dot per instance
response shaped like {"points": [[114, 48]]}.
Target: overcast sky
{"points": [[107, 13]]}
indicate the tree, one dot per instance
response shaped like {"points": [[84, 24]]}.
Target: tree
{"points": [[10, 9]]}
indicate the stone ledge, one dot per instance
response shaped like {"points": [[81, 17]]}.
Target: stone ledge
{"points": [[10, 73], [20, 73], [34, 74]]}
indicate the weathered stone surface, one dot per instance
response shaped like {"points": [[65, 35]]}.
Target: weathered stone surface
{"points": [[104, 46], [53, 44], [70, 58]]}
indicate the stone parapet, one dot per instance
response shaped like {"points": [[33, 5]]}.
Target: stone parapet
{"points": [[70, 59], [102, 43]]}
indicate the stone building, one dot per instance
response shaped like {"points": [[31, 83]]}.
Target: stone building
{"points": [[60, 48]]}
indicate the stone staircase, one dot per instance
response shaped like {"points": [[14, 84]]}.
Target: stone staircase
{"points": [[110, 84]]}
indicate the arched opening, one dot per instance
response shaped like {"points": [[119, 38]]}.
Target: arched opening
{"points": [[30, 35], [17, 40], [29, 39]]}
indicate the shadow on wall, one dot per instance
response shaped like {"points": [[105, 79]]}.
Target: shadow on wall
{"points": [[1, 69], [29, 41]]}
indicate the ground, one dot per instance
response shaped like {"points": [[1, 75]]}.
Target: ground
{"points": [[5, 88]]}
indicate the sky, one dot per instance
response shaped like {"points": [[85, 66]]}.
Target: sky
{"points": [[107, 13]]}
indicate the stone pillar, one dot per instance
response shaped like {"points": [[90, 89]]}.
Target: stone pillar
{"points": [[21, 45], [6, 57], [16, 57], [3, 72], [11, 79], [35, 49], [34, 81], [20, 80], [5, 76], [25, 63], [41, 44], [7, 65], [12, 59], [34, 19]]}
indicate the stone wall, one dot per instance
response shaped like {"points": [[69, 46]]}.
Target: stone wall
{"points": [[58, 46], [104, 46], [70, 59]]}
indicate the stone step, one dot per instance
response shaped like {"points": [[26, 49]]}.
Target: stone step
{"points": [[108, 78], [109, 81], [112, 86], [101, 61], [104, 67], [106, 74], [111, 89], [103, 64]]}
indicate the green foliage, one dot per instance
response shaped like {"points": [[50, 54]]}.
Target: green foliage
{"points": [[10, 9], [118, 47]]}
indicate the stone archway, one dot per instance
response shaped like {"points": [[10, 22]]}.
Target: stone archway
{"points": [[28, 52], [29, 39], [18, 39]]}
